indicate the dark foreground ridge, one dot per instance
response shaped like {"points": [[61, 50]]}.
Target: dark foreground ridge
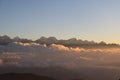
{"points": [[23, 76]]}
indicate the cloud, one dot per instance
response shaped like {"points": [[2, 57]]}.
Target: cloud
{"points": [[1, 61], [85, 58], [59, 47], [95, 64], [64, 48], [27, 44], [33, 54]]}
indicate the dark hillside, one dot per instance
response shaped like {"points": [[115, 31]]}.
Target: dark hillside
{"points": [[23, 76]]}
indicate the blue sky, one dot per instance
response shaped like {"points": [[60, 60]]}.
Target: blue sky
{"points": [[97, 20]]}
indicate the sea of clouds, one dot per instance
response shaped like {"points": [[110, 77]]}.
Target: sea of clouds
{"points": [[33, 54], [93, 64]]}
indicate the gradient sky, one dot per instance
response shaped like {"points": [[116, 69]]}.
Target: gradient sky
{"points": [[97, 20]]}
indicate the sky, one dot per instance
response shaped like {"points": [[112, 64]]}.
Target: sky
{"points": [[97, 20]]}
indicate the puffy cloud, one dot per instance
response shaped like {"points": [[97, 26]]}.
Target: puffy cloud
{"points": [[59, 47], [77, 49], [64, 48], [27, 44]]}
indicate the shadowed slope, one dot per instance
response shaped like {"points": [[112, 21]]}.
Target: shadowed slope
{"points": [[23, 76]]}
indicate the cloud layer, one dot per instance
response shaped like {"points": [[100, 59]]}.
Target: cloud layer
{"points": [[34, 54]]}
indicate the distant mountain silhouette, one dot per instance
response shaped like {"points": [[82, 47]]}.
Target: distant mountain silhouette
{"points": [[23, 76]]}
